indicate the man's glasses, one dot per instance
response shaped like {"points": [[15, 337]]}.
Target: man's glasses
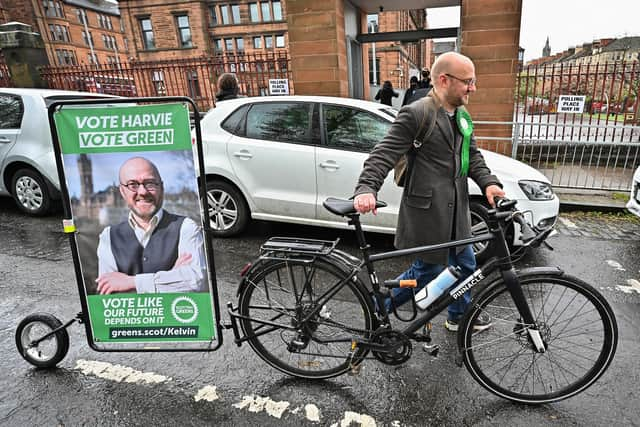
{"points": [[468, 82], [148, 185]]}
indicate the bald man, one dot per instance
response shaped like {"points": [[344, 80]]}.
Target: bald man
{"points": [[435, 201], [154, 250]]}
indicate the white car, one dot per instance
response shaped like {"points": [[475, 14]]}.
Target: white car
{"points": [[634, 200], [27, 164], [279, 158]]}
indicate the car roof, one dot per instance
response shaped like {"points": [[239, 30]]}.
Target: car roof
{"points": [[305, 98], [45, 93]]}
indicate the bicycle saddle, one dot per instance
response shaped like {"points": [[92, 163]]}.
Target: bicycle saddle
{"points": [[344, 207]]}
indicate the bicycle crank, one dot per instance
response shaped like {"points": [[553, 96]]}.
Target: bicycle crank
{"points": [[394, 347]]}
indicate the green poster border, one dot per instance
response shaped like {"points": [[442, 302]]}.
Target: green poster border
{"points": [[185, 142]]}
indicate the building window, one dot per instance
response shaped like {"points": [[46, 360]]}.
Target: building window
{"points": [[93, 59], [257, 42], [82, 16], [66, 57], [235, 13], [104, 21], [217, 45], [193, 85], [266, 11], [157, 77], [214, 15], [224, 14], [253, 12], [109, 42], [148, 40], [280, 40], [59, 33], [52, 8], [184, 32], [268, 42], [126, 44], [228, 44], [277, 10], [87, 37], [240, 44]]}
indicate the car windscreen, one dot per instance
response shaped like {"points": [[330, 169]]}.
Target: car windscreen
{"points": [[391, 112]]}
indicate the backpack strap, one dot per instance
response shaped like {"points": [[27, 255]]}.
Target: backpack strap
{"points": [[424, 132]]}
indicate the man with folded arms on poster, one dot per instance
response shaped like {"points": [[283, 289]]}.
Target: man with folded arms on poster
{"points": [[153, 250]]}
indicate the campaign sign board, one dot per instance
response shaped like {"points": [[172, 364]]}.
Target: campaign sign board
{"points": [[135, 206], [571, 103]]}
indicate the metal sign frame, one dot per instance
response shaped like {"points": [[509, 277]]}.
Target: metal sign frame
{"points": [[217, 341]]}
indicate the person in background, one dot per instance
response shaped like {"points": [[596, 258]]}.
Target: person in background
{"points": [[227, 87], [425, 83], [385, 93], [413, 85]]}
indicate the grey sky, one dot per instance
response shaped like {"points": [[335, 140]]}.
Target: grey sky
{"points": [[566, 22]]}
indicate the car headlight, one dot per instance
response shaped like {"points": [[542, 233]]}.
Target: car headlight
{"points": [[536, 190]]}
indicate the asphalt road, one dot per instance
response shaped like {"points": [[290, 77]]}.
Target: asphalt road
{"points": [[233, 387]]}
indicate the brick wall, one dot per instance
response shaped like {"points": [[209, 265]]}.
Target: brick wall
{"points": [[490, 37]]}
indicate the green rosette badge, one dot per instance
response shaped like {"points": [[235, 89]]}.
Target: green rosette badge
{"points": [[463, 119]]}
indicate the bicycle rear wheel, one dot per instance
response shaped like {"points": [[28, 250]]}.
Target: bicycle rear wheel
{"points": [[577, 326], [280, 294]]}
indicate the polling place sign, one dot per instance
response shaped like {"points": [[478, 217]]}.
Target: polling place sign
{"points": [[279, 86], [571, 104], [134, 198]]}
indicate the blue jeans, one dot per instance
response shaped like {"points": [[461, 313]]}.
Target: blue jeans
{"points": [[424, 273]]}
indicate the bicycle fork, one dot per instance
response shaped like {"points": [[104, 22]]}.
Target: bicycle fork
{"points": [[513, 285]]}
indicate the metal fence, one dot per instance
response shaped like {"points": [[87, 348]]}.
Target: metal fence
{"points": [[5, 75], [597, 146], [195, 77]]}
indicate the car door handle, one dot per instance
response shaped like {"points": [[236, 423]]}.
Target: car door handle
{"points": [[4, 139], [330, 165], [243, 154]]}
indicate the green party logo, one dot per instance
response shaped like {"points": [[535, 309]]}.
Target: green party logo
{"points": [[184, 309]]}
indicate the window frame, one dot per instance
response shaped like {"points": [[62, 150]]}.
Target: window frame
{"points": [[21, 112], [308, 139], [147, 44], [324, 133], [181, 41]]}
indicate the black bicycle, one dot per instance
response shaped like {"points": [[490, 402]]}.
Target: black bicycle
{"points": [[304, 308]]}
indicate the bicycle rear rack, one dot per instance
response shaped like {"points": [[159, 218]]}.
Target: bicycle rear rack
{"points": [[279, 247]]}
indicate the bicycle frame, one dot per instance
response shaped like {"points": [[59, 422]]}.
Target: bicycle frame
{"points": [[501, 261]]}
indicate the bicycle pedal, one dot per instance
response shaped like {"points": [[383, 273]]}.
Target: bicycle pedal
{"points": [[355, 370], [433, 350]]}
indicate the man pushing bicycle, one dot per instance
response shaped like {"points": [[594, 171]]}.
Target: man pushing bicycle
{"points": [[435, 201]]}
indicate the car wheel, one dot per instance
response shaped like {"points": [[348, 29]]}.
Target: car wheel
{"points": [[31, 192], [228, 211]]}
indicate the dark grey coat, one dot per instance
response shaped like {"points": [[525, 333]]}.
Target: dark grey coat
{"points": [[436, 194]]}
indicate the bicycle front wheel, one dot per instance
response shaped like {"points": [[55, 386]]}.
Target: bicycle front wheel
{"points": [[577, 326], [293, 328]]}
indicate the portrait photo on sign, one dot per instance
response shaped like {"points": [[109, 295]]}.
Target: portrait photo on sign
{"points": [[138, 222]]}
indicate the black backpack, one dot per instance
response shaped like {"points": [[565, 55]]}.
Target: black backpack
{"points": [[406, 161]]}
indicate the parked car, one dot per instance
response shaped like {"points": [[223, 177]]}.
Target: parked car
{"points": [[279, 158], [27, 164], [634, 201]]}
